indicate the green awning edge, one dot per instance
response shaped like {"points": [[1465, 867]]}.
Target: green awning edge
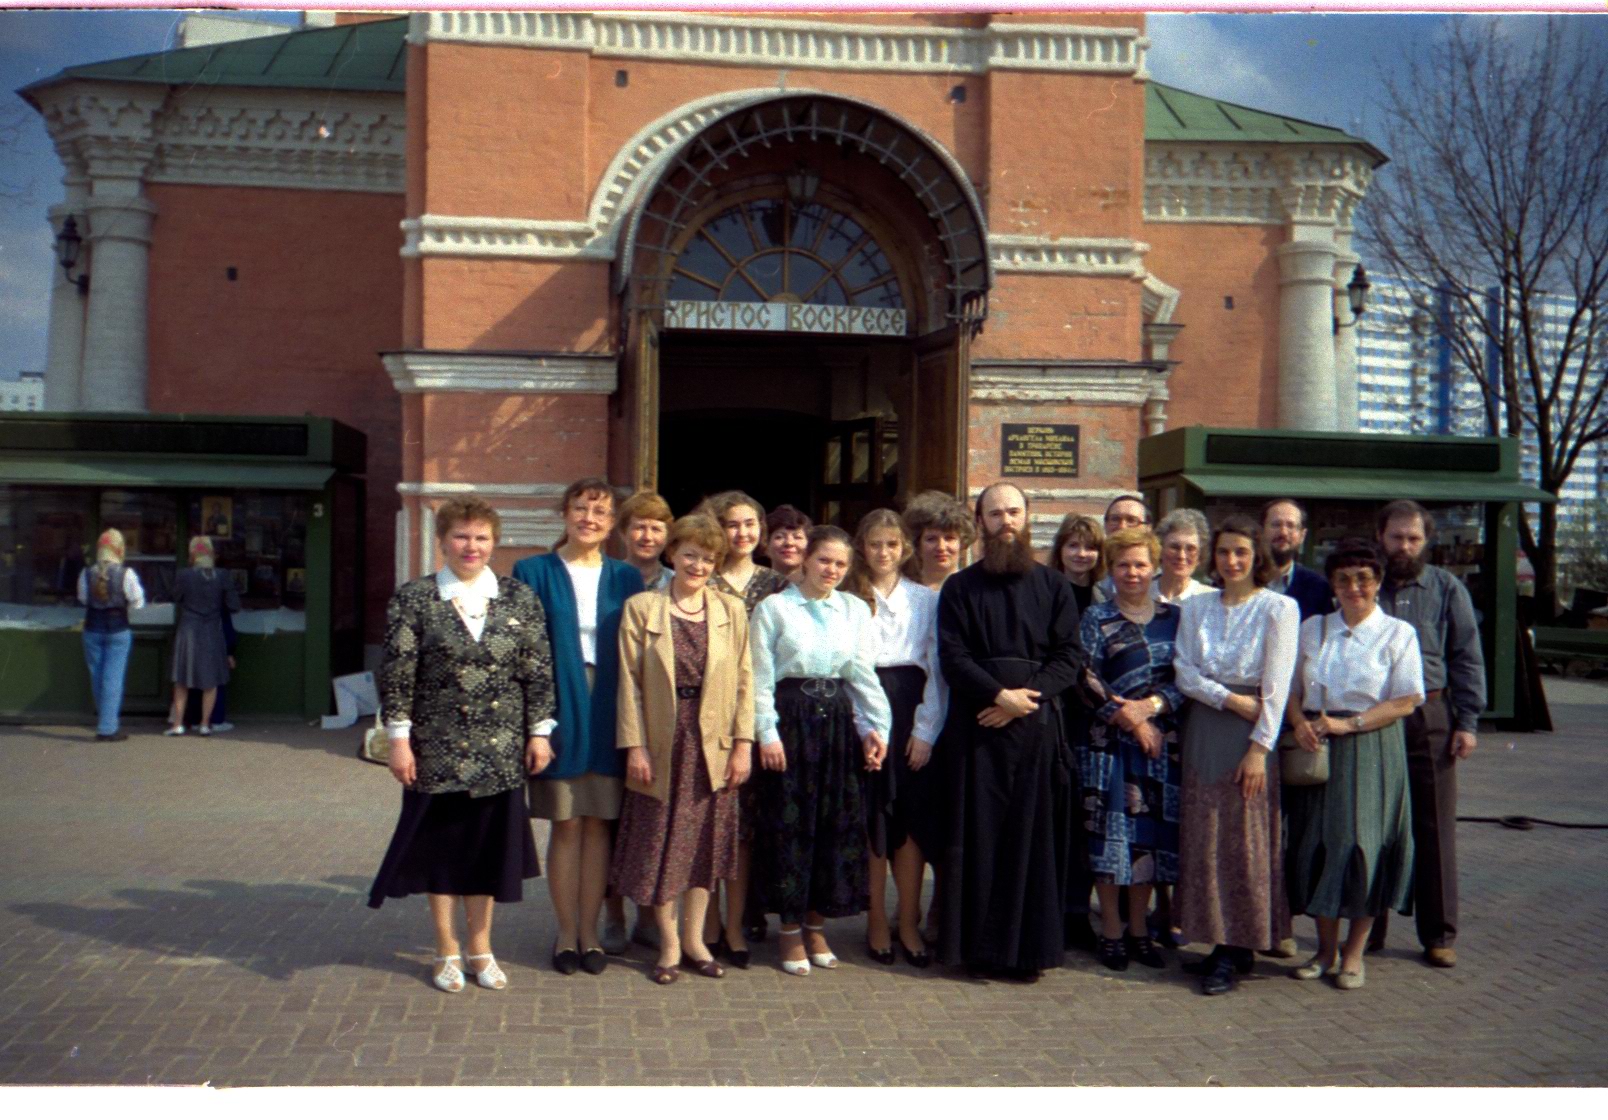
{"points": [[39, 471], [1338, 485]]}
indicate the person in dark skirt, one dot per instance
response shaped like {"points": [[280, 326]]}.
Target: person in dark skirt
{"points": [[820, 718], [201, 596], [1358, 675], [686, 723], [467, 679], [899, 813]]}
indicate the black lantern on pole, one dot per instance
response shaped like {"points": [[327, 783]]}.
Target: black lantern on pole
{"points": [[1357, 290], [69, 244]]}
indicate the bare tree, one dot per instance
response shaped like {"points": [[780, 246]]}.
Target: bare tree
{"points": [[1497, 196]]}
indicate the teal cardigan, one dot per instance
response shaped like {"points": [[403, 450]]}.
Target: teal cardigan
{"points": [[584, 740]]}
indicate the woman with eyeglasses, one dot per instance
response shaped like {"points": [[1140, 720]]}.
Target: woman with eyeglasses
{"points": [[1358, 676]]}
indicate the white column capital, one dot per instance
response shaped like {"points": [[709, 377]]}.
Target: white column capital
{"points": [[120, 219], [1306, 261]]}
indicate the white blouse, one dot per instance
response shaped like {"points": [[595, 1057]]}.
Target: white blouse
{"points": [[1252, 644], [586, 580], [472, 599], [1191, 589], [1350, 669], [906, 625], [132, 591], [791, 636]]}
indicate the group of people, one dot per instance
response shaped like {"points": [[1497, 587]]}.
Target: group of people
{"points": [[692, 721], [203, 637]]}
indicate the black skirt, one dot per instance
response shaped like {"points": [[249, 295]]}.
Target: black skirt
{"points": [[454, 844], [897, 798], [809, 831]]}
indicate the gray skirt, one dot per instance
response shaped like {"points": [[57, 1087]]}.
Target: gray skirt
{"points": [[1350, 852], [1230, 857]]}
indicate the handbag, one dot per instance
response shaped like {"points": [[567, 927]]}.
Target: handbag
{"points": [[376, 745], [1298, 767]]}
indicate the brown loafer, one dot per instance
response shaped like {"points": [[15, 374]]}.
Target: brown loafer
{"points": [[710, 968], [1441, 957], [662, 975]]}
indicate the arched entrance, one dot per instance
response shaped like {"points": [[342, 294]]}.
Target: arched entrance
{"points": [[798, 290]]}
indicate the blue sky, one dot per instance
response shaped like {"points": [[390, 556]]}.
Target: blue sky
{"points": [[1316, 67]]}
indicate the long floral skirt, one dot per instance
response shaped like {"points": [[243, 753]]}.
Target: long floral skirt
{"points": [[809, 829], [1230, 862]]}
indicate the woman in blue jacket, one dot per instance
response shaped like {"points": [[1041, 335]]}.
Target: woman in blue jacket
{"points": [[583, 593]]}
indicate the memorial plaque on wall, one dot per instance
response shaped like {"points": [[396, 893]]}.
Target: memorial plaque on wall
{"points": [[1039, 449]]}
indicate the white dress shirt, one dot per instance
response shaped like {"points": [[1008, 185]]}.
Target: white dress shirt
{"points": [[1350, 669], [1252, 644], [906, 625], [791, 636]]}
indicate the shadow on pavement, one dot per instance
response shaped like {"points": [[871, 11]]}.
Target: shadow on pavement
{"points": [[273, 929]]}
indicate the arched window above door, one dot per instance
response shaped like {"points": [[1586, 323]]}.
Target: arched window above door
{"points": [[771, 250]]}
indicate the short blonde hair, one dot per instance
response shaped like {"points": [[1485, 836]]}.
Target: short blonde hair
{"points": [[461, 511], [647, 506], [701, 530], [1137, 537]]}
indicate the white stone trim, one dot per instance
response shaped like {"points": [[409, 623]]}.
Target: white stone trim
{"points": [[431, 235], [548, 491], [403, 525], [502, 373], [1256, 184], [1051, 382], [1068, 256], [530, 528], [1159, 299], [427, 541], [225, 136], [796, 43]]}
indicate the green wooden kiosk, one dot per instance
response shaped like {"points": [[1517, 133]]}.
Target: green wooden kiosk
{"points": [[282, 499], [1471, 485]]}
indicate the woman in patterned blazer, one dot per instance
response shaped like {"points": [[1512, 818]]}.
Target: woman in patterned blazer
{"points": [[466, 683]]}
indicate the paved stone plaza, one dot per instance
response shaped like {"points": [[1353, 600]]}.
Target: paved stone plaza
{"points": [[179, 911]]}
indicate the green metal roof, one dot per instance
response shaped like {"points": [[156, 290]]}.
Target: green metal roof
{"points": [[370, 57], [1175, 114]]}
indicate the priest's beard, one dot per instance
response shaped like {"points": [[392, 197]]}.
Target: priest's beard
{"points": [[1401, 568], [1007, 553]]}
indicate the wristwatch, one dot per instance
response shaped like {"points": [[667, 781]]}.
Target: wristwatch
{"points": [[1356, 723]]}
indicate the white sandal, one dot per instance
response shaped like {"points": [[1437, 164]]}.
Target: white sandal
{"points": [[827, 959], [449, 977], [794, 968], [489, 977]]}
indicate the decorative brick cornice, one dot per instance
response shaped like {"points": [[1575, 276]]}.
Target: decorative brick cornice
{"points": [[1068, 256], [455, 371], [1260, 184], [791, 43], [226, 136], [1069, 382]]}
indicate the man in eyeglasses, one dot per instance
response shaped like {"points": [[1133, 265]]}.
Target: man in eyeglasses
{"points": [[1443, 730]]}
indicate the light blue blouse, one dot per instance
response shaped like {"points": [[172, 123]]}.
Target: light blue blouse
{"points": [[792, 636]]}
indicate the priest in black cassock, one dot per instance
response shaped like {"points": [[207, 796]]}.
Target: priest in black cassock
{"points": [[1008, 646]]}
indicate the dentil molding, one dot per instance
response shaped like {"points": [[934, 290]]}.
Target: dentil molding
{"points": [[441, 371], [1068, 256], [791, 43], [268, 138], [1260, 184]]}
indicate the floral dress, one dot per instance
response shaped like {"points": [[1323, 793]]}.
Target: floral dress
{"points": [[1130, 802]]}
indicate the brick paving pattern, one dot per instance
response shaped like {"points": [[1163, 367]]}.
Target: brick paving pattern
{"points": [[183, 911]]}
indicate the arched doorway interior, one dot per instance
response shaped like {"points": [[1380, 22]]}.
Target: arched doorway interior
{"points": [[798, 290]]}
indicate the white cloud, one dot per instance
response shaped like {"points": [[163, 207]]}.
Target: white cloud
{"points": [[1195, 53]]}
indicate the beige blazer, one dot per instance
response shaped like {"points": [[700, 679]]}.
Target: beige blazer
{"points": [[647, 695]]}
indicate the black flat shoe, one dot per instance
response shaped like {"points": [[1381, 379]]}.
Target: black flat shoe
{"points": [[921, 958], [1113, 953], [738, 958], [1206, 965], [881, 956], [755, 931], [1220, 980], [567, 961], [594, 961], [1143, 950]]}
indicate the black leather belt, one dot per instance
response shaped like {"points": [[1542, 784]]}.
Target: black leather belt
{"points": [[688, 691]]}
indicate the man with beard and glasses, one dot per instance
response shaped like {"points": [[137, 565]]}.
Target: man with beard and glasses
{"points": [[1284, 529], [1008, 646], [1440, 732]]}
